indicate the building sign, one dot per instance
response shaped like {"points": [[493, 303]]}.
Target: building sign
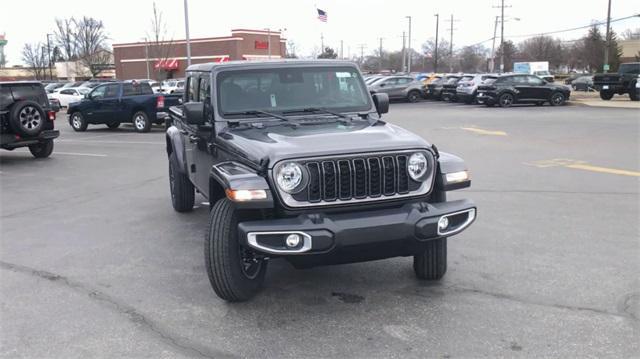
{"points": [[168, 64], [261, 45]]}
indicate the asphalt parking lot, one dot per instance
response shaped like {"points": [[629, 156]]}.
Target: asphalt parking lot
{"points": [[94, 262]]}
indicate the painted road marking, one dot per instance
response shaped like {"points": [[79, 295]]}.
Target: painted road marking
{"points": [[581, 165], [79, 154], [484, 132], [114, 142]]}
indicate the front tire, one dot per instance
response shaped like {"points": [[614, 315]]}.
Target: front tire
{"points": [[606, 95], [557, 99], [182, 190], [141, 122], [234, 273], [77, 122], [432, 263], [413, 96], [633, 93], [42, 149]]}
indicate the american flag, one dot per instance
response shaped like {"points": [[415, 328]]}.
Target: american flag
{"points": [[322, 15]]}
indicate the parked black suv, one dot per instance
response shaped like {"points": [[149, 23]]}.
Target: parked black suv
{"points": [[26, 118], [435, 89], [296, 162], [624, 81], [507, 90]]}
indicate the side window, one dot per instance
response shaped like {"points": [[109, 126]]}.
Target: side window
{"points": [[128, 90], [111, 91], [192, 93], [204, 89], [532, 80], [404, 81], [66, 92], [390, 82], [98, 92]]}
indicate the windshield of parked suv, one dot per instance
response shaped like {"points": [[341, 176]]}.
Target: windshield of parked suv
{"points": [[286, 89], [541, 73], [633, 68]]}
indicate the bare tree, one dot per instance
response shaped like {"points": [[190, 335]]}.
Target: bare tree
{"points": [[65, 38], [472, 58], [91, 44], [161, 46], [630, 34], [34, 56]]}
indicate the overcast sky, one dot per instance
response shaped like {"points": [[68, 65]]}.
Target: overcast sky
{"points": [[355, 22]]}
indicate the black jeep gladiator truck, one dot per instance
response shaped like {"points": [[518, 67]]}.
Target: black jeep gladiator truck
{"points": [[296, 162], [116, 102], [622, 82], [26, 118]]}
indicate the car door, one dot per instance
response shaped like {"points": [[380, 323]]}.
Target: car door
{"points": [[111, 109], [522, 88], [538, 88], [64, 97], [400, 87], [91, 107], [386, 86]]}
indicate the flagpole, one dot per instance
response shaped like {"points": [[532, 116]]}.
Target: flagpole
{"points": [[321, 43]]}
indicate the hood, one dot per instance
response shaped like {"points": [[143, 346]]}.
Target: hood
{"points": [[283, 142]]}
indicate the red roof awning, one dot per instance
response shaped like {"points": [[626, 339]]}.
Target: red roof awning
{"points": [[168, 64]]}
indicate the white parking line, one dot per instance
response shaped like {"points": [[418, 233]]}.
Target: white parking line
{"points": [[79, 154], [113, 142]]}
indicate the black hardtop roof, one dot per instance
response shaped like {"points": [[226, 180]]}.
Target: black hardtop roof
{"points": [[32, 82], [243, 64]]}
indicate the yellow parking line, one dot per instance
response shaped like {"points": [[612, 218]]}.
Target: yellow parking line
{"points": [[484, 132], [604, 170]]}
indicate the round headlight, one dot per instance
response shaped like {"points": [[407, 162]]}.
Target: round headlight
{"points": [[417, 166], [289, 177]]}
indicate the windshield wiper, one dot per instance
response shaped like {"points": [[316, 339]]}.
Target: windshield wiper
{"points": [[318, 109], [256, 113]]}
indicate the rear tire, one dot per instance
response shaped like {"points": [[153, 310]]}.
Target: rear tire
{"points": [[432, 263], [77, 122], [540, 103], [506, 100], [182, 190], [113, 126], [606, 95], [42, 149], [633, 92], [27, 118], [232, 274], [141, 122]]}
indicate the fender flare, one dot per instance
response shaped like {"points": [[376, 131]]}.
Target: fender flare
{"points": [[175, 144], [235, 176], [449, 163]]}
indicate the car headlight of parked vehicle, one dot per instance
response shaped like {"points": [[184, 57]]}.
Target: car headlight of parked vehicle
{"points": [[290, 177], [418, 166]]}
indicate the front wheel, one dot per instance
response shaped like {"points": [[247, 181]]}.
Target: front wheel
{"points": [[557, 99], [235, 272], [432, 263], [413, 96], [606, 95], [42, 149], [141, 122], [77, 122], [633, 93], [506, 100]]}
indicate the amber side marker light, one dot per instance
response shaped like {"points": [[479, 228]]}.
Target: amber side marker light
{"points": [[245, 195]]}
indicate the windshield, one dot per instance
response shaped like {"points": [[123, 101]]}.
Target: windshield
{"points": [[286, 89], [466, 78], [632, 68], [84, 91], [452, 80], [541, 73]]}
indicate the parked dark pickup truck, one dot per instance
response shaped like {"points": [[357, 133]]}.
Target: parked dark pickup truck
{"points": [[619, 83], [113, 103]]}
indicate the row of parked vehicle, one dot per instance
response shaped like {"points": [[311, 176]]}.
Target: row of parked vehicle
{"points": [[503, 90]]}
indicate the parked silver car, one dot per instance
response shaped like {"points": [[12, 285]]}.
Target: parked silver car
{"points": [[467, 89], [399, 87]]}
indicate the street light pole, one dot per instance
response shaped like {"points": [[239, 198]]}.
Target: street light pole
{"points": [[435, 62], [146, 56], [404, 52], [409, 47], [269, 42], [186, 28], [49, 56], [493, 45], [502, 38], [608, 40]]}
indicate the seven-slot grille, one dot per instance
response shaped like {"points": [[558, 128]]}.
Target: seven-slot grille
{"points": [[357, 178]]}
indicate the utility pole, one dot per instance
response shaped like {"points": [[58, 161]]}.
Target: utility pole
{"points": [[362, 46], [404, 52], [49, 53], [269, 43], [608, 41], [341, 50], [380, 54], [435, 62], [409, 47], [321, 43], [493, 45], [502, 6], [146, 56], [451, 44], [186, 28]]}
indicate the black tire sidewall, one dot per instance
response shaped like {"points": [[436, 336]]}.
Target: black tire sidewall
{"points": [[147, 126], [83, 123], [42, 149], [222, 258], [14, 120], [114, 125], [413, 96], [606, 95], [503, 96], [556, 94]]}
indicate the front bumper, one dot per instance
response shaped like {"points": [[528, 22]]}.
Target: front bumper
{"points": [[358, 236], [11, 141]]}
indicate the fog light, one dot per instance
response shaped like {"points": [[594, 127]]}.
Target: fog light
{"points": [[293, 240], [443, 223]]}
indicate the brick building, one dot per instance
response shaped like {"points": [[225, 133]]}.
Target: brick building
{"points": [[169, 60]]}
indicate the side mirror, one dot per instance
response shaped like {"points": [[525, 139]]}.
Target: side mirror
{"points": [[381, 101], [87, 97], [194, 113]]}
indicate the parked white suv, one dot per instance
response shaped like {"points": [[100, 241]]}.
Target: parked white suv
{"points": [[467, 90]]}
